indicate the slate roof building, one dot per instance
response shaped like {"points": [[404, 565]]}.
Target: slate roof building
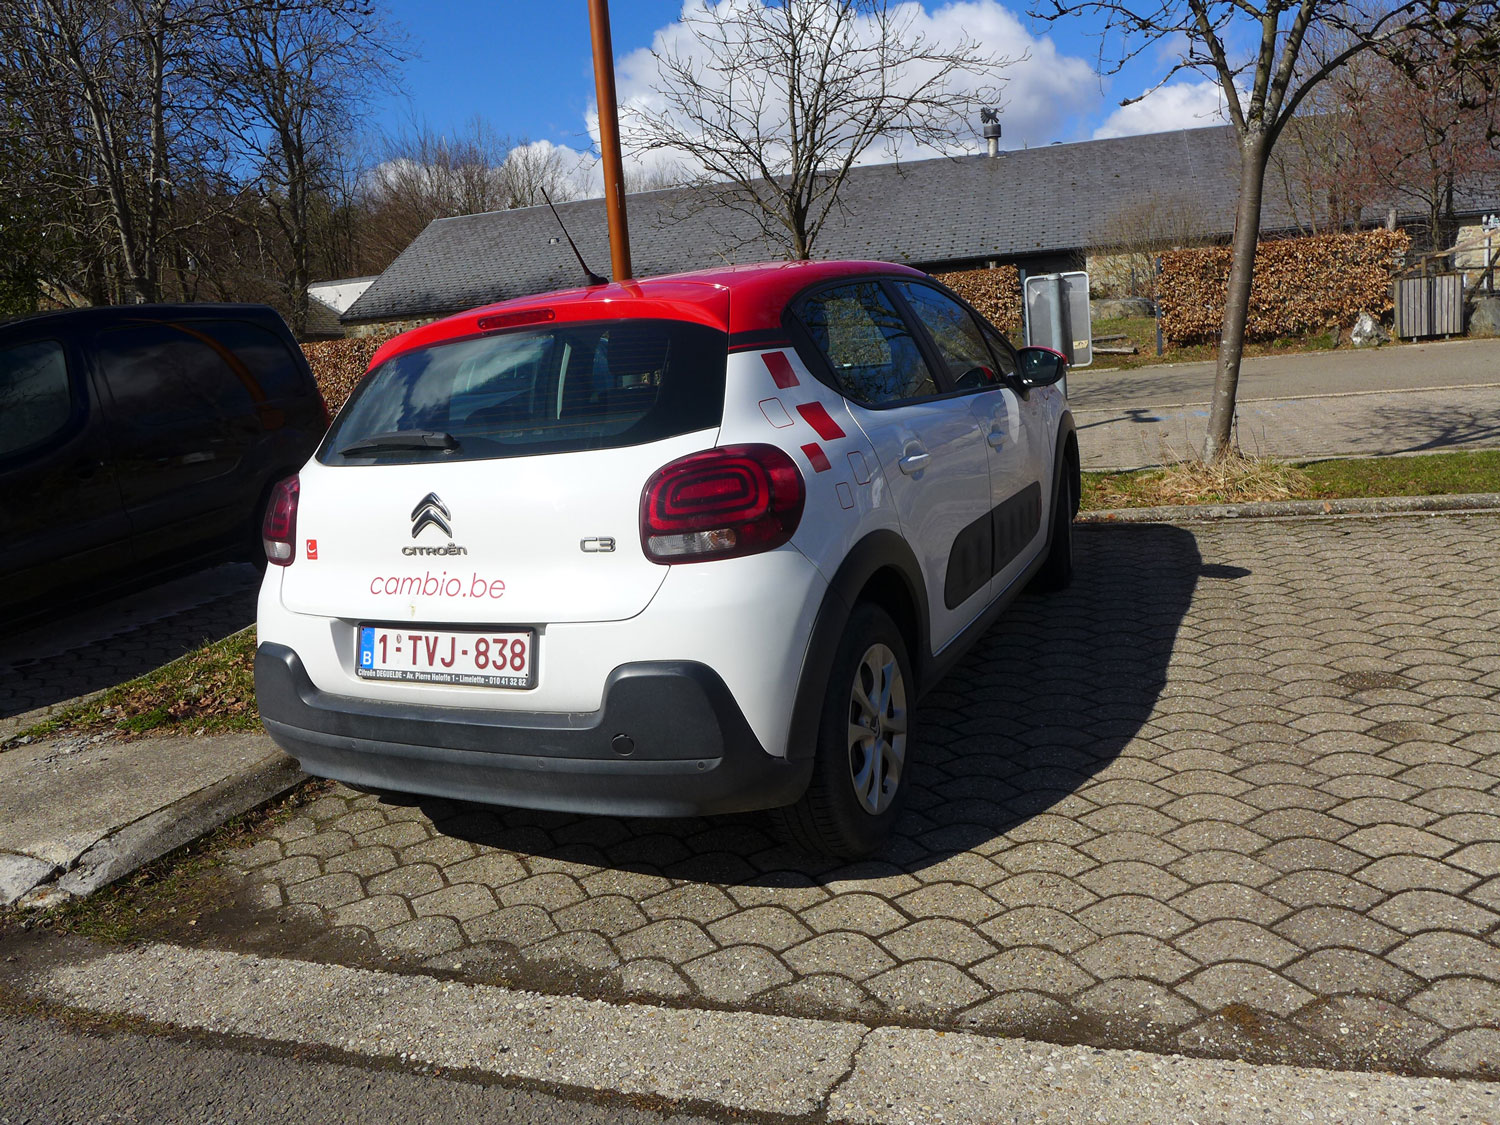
{"points": [[1038, 208]]}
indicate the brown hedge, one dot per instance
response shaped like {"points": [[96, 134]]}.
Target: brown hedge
{"points": [[1302, 285], [338, 364], [996, 294]]}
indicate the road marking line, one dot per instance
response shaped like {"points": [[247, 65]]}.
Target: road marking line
{"points": [[1286, 398]]}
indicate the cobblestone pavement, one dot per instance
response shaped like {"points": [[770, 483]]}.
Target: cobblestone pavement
{"points": [[128, 644], [1236, 793]]}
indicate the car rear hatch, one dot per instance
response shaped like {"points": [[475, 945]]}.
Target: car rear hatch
{"points": [[496, 479]]}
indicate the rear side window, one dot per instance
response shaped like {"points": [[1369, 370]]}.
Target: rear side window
{"points": [[267, 359], [35, 402], [165, 375], [564, 387], [874, 357]]}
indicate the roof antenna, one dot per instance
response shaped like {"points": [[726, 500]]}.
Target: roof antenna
{"points": [[593, 278]]}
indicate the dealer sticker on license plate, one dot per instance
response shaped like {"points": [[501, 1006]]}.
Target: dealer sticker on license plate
{"points": [[496, 658]]}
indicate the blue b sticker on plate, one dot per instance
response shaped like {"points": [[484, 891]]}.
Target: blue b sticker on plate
{"points": [[367, 647]]}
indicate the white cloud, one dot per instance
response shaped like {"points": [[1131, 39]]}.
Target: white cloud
{"points": [[1042, 90], [1181, 105], [579, 170]]}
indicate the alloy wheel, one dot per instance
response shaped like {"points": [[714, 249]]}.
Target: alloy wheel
{"points": [[877, 729]]}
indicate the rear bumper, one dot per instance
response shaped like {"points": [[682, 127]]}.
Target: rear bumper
{"points": [[689, 749]]}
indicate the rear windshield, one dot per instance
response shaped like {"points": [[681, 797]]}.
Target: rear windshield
{"points": [[547, 390]]}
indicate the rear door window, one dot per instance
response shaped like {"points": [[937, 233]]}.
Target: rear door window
{"points": [[163, 376], [35, 400], [564, 387], [868, 344]]}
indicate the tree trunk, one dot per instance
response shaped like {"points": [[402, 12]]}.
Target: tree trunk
{"points": [[1254, 151]]}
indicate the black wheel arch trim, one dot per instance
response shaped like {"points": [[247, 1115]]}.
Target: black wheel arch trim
{"points": [[879, 550], [1066, 429]]}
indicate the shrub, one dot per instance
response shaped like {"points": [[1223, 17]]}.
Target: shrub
{"points": [[338, 365], [1302, 285]]}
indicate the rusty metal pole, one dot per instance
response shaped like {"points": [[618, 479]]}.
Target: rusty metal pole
{"points": [[609, 140]]}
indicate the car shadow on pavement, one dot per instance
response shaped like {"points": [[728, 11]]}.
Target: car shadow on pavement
{"points": [[78, 652], [1043, 703]]}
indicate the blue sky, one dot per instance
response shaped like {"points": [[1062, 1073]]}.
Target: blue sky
{"points": [[526, 68]]}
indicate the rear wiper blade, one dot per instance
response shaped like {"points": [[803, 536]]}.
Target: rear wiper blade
{"points": [[402, 439]]}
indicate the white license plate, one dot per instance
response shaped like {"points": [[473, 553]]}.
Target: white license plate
{"points": [[494, 658]]}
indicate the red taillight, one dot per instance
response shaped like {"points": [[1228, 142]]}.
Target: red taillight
{"points": [[720, 504], [278, 531]]}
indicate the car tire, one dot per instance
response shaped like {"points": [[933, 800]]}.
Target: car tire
{"points": [[859, 780], [1057, 569]]}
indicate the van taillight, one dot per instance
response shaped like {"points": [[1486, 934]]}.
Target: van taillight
{"points": [[721, 504], [278, 531]]}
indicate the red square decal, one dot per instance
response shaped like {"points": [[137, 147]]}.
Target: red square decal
{"points": [[816, 457], [781, 370], [312, 548]]}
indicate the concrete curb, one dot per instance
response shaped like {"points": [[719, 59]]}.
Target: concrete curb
{"points": [[134, 845], [839, 1071], [1282, 509]]}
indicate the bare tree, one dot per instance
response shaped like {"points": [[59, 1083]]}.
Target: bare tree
{"points": [[109, 91], [1267, 57], [1314, 168], [424, 175], [777, 102], [530, 169], [293, 76], [1422, 133], [656, 177], [1131, 237]]}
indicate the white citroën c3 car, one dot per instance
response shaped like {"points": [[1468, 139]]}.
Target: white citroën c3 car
{"points": [[687, 545]]}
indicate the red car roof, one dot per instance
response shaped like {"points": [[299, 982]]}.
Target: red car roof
{"points": [[732, 299]]}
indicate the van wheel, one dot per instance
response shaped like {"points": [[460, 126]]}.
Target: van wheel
{"points": [[1057, 571], [859, 778]]}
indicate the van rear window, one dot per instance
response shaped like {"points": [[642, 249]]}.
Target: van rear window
{"points": [[546, 390]]}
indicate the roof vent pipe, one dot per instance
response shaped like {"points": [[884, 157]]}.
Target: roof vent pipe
{"points": [[989, 119]]}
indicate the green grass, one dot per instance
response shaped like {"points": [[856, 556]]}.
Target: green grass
{"points": [[1141, 331], [1430, 474], [209, 690]]}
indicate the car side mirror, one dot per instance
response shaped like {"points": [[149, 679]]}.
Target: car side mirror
{"points": [[1041, 367]]}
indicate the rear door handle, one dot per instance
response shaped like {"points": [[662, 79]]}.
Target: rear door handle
{"points": [[996, 439], [914, 462]]}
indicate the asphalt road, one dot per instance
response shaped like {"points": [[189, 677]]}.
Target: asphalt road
{"points": [[1417, 398], [1408, 367], [51, 1075]]}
